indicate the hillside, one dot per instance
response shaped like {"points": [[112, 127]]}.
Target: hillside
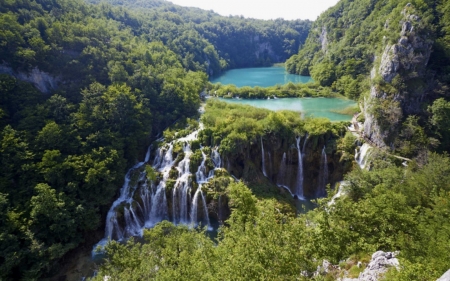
{"points": [[391, 55], [239, 42], [84, 89], [101, 139]]}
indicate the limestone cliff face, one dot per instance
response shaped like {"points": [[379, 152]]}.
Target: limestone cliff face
{"points": [[323, 39], [399, 82], [247, 164], [43, 81]]}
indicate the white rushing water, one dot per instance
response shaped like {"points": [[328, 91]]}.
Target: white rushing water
{"points": [[282, 174], [362, 154], [263, 161], [299, 187], [323, 175], [128, 217]]}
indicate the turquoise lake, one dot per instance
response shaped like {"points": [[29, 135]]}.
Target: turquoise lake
{"points": [[259, 76], [312, 107], [271, 76]]}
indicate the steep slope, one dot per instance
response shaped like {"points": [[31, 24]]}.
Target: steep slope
{"points": [[393, 55]]}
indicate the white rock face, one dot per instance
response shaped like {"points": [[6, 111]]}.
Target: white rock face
{"points": [[40, 79], [378, 266], [445, 277]]}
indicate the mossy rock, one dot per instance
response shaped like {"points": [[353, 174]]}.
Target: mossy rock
{"points": [[173, 174], [195, 145], [170, 185]]}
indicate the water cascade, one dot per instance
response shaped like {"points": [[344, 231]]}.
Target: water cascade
{"points": [[194, 212], [282, 174], [201, 172], [323, 175], [362, 154], [263, 162], [299, 187], [130, 214], [132, 222], [304, 146], [215, 157], [181, 192]]}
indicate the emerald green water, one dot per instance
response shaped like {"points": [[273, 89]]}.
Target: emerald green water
{"points": [[312, 107], [260, 76]]}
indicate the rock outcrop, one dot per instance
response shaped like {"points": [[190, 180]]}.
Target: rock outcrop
{"points": [[393, 92], [43, 81], [445, 277], [377, 267]]}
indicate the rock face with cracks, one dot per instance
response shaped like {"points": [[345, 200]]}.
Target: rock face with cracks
{"points": [[402, 63], [377, 267]]}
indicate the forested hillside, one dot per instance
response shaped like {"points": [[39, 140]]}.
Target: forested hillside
{"points": [[392, 55], [239, 42], [84, 89]]}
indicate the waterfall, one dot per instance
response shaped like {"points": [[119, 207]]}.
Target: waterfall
{"points": [[362, 154], [152, 206], [215, 157], [323, 175], [158, 211], [112, 226], [147, 155], [133, 225], [145, 195], [182, 187], [299, 187], [194, 211], [201, 172], [263, 162], [282, 173]]}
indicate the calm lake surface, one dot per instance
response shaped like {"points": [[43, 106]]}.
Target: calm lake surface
{"points": [[313, 107], [259, 76]]}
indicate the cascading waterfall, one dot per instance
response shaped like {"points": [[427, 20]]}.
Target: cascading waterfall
{"points": [[132, 222], [151, 206], [282, 173], [159, 210], [299, 187], [182, 189], [215, 157], [201, 172], [194, 212], [263, 162], [112, 228], [362, 154], [323, 175]]}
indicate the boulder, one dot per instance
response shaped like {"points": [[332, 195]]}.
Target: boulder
{"points": [[445, 277]]}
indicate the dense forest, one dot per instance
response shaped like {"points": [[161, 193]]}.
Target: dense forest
{"points": [[84, 89], [87, 86]]}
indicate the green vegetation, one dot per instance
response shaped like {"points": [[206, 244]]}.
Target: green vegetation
{"points": [[228, 42], [126, 74], [388, 208], [279, 91], [235, 127]]}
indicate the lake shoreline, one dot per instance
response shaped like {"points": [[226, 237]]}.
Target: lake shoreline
{"points": [[329, 108]]}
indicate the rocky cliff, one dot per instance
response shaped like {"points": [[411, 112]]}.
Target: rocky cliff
{"points": [[43, 81], [398, 81]]}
